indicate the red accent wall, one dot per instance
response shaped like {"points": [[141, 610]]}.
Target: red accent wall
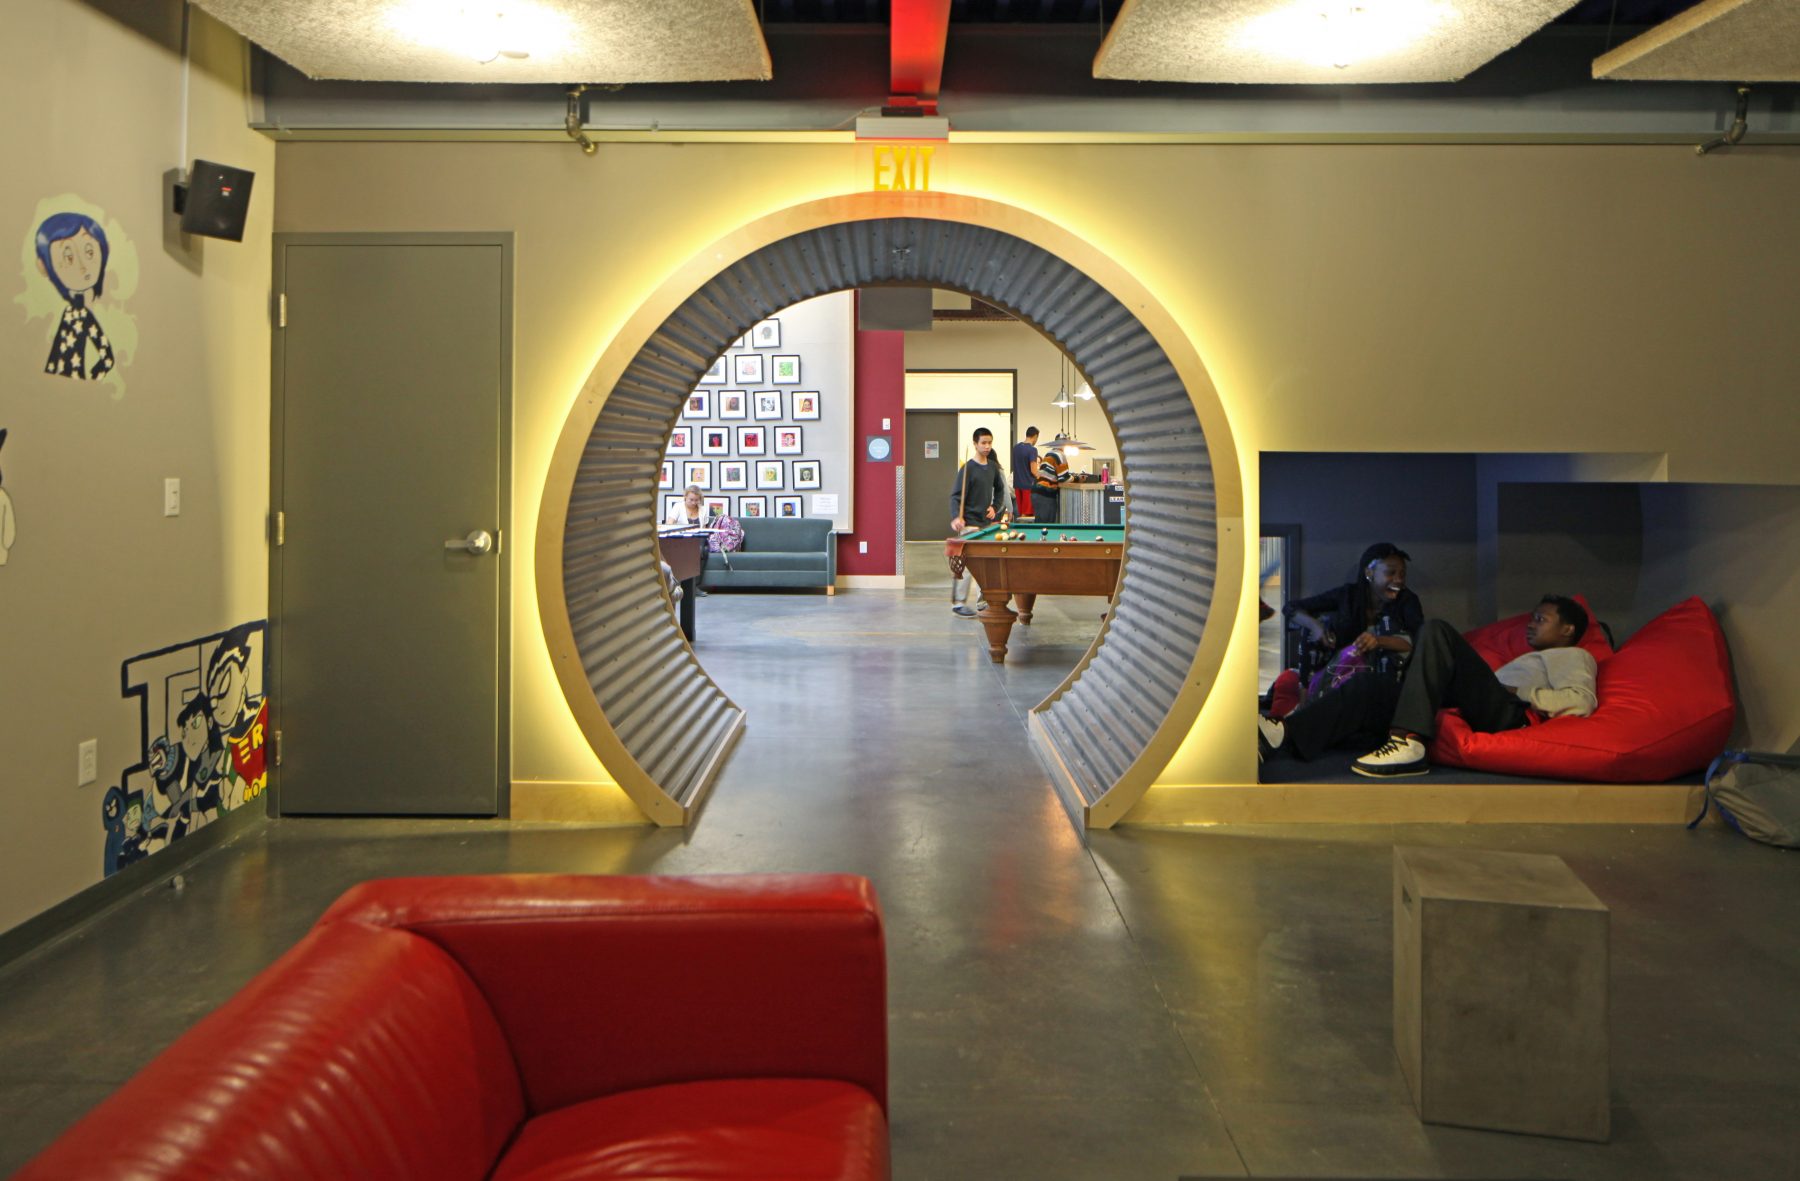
{"points": [[880, 393]]}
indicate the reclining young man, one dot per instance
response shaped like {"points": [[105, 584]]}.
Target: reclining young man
{"points": [[1555, 679]]}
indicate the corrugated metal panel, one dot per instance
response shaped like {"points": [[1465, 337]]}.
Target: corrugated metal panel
{"points": [[664, 708]]}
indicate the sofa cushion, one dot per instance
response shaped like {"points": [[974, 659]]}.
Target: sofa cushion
{"points": [[720, 1129], [362, 1052], [753, 560], [776, 534], [1665, 709]]}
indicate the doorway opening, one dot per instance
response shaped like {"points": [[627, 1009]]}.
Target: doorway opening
{"points": [[1119, 716]]}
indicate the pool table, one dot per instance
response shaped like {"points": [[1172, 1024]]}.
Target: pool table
{"points": [[1040, 564]]}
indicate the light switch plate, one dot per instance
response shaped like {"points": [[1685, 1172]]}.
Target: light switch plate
{"points": [[87, 762]]}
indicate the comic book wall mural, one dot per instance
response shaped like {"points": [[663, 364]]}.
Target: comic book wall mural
{"points": [[78, 269], [203, 741], [8, 528]]}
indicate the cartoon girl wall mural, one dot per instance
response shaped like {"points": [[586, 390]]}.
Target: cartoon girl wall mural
{"points": [[7, 527], [71, 253], [79, 267]]}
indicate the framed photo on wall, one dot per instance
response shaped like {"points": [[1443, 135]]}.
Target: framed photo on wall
{"points": [[717, 506], [753, 506], [789, 440], [766, 334], [672, 505], [734, 475], [770, 474], [752, 440], [698, 473], [665, 479], [806, 473], [790, 506], [747, 368], [715, 375], [743, 342], [699, 405], [768, 405], [784, 370], [681, 441], [715, 440], [734, 404], [806, 404]]}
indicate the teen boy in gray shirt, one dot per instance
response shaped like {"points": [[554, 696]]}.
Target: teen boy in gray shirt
{"points": [[977, 498]]}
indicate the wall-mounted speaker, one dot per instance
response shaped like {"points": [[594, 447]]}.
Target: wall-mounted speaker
{"points": [[215, 201]]}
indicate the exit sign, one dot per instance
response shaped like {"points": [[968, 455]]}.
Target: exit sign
{"points": [[902, 168]]}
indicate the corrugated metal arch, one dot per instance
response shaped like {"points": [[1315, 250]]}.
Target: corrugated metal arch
{"points": [[664, 728]]}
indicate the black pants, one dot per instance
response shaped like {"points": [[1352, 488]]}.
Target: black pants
{"points": [[1446, 673], [1044, 504], [1357, 712]]}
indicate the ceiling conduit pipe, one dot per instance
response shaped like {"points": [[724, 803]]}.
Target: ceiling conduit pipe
{"points": [[1735, 134], [573, 123]]}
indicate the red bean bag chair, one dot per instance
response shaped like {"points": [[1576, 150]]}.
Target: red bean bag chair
{"points": [[1666, 707]]}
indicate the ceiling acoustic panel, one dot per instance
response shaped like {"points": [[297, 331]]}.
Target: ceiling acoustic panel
{"points": [[1714, 41], [558, 41], [1327, 42]]}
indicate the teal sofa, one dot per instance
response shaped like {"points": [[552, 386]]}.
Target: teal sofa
{"points": [[777, 552]]}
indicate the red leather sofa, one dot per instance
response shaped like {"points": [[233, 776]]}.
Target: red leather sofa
{"points": [[531, 1028]]}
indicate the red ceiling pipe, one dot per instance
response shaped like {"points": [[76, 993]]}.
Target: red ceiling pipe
{"points": [[917, 30]]}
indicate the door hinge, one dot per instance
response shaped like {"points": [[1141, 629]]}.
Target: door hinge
{"points": [[281, 310], [278, 748], [280, 529]]}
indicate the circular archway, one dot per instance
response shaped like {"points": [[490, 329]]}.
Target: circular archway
{"points": [[660, 725]]}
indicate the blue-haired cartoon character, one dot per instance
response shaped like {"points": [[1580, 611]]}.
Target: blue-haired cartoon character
{"points": [[72, 254]]}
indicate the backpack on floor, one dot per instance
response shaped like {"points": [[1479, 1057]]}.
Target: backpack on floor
{"points": [[1757, 794]]}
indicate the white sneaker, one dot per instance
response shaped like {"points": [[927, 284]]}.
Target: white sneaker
{"points": [[1393, 759], [1270, 734]]}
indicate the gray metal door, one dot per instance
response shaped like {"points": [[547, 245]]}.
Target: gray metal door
{"points": [[391, 478], [928, 476]]}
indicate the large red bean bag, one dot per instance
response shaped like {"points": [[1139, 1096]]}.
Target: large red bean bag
{"points": [[1665, 707]]}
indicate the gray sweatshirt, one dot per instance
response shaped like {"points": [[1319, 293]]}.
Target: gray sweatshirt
{"points": [[1556, 682], [986, 486]]}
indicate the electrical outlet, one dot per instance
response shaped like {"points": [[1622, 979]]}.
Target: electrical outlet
{"points": [[887, 424], [87, 762], [171, 497], [862, 547]]}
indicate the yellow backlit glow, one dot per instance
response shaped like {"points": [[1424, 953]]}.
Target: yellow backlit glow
{"points": [[1343, 33], [481, 31]]}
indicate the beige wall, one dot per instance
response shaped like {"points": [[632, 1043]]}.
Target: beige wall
{"points": [[1017, 346], [97, 574], [1454, 299]]}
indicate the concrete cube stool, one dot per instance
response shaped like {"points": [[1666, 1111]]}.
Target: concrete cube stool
{"points": [[1500, 992]]}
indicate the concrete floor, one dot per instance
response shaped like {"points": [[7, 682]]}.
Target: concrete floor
{"points": [[1155, 1004]]}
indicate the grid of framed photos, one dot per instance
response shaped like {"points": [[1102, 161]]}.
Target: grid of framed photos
{"points": [[743, 446]]}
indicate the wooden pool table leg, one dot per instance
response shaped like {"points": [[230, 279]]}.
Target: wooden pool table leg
{"points": [[997, 620], [1025, 604]]}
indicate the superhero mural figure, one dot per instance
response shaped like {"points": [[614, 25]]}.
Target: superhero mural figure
{"points": [[204, 727]]}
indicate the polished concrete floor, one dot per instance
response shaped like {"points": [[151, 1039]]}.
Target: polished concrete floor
{"points": [[1153, 1004]]}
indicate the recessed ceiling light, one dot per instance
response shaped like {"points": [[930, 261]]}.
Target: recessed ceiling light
{"points": [[1343, 33], [479, 31]]}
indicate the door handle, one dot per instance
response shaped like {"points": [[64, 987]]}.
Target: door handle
{"points": [[478, 542]]}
